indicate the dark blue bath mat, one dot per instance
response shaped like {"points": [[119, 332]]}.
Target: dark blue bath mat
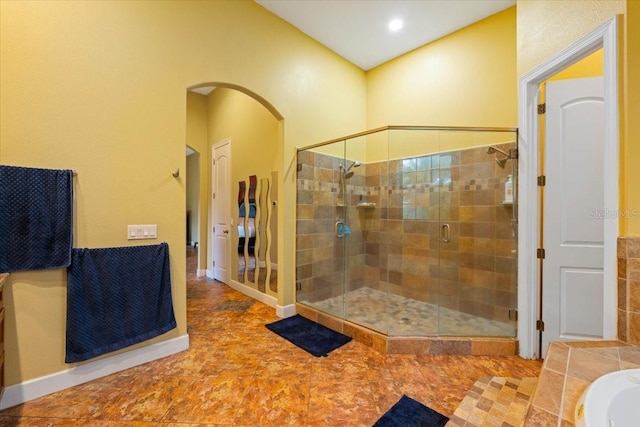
{"points": [[411, 413], [308, 335]]}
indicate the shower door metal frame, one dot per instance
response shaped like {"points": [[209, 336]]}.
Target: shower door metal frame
{"points": [[402, 127]]}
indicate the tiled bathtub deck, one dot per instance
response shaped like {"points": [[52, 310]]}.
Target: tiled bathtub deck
{"points": [[549, 400], [568, 370]]}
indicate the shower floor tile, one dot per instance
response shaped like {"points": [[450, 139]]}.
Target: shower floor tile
{"points": [[396, 315]]}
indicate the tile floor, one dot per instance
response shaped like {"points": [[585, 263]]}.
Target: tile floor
{"points": [[402, 316], [238, 373], [495, 401]]}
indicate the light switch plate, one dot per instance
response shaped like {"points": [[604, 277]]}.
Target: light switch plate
{"points": [[138, 232]]}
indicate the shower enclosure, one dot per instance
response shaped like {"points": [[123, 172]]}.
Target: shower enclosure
{"points": [[411, 231]]}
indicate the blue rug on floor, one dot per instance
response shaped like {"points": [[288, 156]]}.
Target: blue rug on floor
{"points": [[308, 335], [411, 413]]}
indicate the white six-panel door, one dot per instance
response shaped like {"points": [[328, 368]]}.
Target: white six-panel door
{"points": [[573, 214], [221, 211]]}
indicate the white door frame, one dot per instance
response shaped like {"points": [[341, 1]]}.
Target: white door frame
{"points": [[605, 36]]}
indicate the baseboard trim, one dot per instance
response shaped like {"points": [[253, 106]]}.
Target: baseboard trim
{"points": [[286, 310], [253, 293], [201, 272], [271, 301], [38, 387]]}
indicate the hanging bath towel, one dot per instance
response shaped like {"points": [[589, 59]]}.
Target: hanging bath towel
{"points": [[117, 297], [36, 218]]}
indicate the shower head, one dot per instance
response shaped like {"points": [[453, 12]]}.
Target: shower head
{"points": [[501, 162], [493, 149], [348, 175], [353, 165]]}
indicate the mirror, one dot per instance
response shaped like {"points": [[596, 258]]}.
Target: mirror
{"points": [[272, 226], [257, 227], [241, 232], [250, 231], [262, 242]]}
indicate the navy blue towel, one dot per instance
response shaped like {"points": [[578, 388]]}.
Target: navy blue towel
{"points": [[408, 412], [36, 218], [117, 297]]}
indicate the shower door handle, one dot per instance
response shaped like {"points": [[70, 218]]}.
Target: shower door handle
{"points": [[446, 233], [339, 228]]}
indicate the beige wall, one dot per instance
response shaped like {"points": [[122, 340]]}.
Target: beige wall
{"points": [[193, 197], [253, 131], [545, 27], [100, 87], [591, 66], [197, 133], [630, 149], [465, 79]]}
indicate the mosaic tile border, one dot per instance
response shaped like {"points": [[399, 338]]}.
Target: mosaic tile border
{"points": [[458, 185]]}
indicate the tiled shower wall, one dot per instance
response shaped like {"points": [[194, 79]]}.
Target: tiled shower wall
{"points": [[629, 289], [320, 256], [397, 245]]}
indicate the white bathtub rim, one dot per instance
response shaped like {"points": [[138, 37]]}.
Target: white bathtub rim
{"points": [[592, 408]]}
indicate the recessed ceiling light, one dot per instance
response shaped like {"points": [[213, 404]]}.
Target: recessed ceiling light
{"points": [[395, 25]]}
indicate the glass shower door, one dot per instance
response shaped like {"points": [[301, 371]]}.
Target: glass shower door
{"points": [[476, 235], [320, 227], [412, 216], [365, 298]]}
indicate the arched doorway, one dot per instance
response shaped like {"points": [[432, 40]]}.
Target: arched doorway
{"points": [[223, 111]]}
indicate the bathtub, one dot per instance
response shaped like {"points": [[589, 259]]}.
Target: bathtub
{"points": [[613, 400]]}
